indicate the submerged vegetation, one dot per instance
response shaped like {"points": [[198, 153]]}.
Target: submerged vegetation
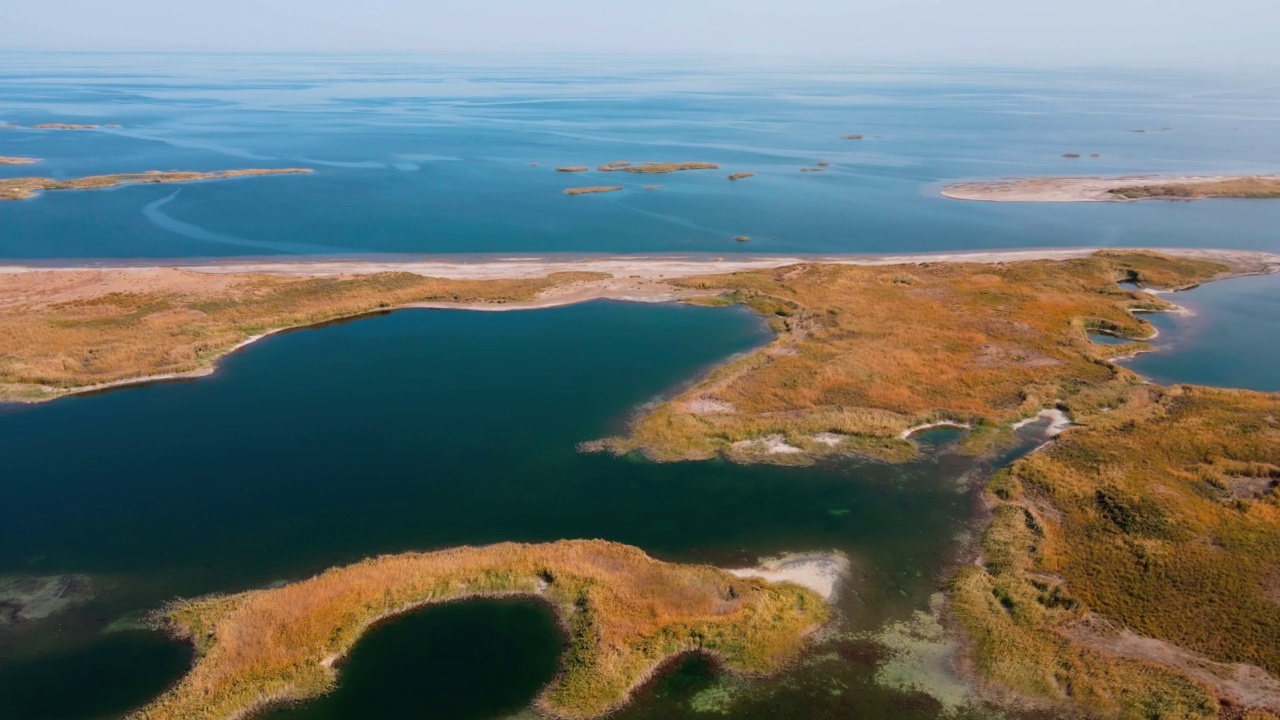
{"points": [[1132, 565], [65, 330], [625, 614], [28, 187], [865, 353]]}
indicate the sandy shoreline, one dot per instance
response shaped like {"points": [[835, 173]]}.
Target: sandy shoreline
{"points": [[629, 267], [627, 278], [1074, 189]]}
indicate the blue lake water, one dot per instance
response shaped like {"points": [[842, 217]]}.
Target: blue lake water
{"points": [[1230, 339], [432, 155], [426, 429]]}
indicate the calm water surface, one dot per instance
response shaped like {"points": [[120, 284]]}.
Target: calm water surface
{"points": [[1230, 339], [413, 154]]}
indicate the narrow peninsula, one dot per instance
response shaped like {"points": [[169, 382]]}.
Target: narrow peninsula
{"points": [[28, 187], [625, 615], [1117, 189]]}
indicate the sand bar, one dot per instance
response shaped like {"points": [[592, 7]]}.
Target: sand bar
{"points": [[1079, 189], [633, 266]]}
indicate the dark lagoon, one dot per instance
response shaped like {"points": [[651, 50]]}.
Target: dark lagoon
{"points": [[419, 430]]}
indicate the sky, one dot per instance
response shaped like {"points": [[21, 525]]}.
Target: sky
{"points": [[1073, 32]]}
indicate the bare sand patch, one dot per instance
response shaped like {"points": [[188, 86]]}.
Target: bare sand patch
{"points": [[819, 572]]}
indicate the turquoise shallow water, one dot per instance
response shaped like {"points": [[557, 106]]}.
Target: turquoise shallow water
{"points": [[431, 154]]}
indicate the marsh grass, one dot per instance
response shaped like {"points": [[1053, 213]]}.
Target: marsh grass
{"points": [[866, 352], [1249, 187], [625, 614], [1132, 519], [51, 349]]}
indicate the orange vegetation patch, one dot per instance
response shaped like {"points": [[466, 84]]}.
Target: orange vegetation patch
{"points": [[863, 353], [625, 613], [1124, 568], [23, 188], [65, 330]]}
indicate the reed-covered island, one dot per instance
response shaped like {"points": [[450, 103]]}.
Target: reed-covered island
{"points": [[28, 187], [624, 614]]}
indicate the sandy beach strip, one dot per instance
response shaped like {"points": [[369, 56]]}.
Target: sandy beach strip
{"points": [[631, 267], [1075, 189]]}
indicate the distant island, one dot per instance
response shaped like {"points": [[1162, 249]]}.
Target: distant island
{"points": [[664, 167], [625, 615], [17, 161], [572, 168], [64, 126], [592, 189], [1117, 189], [741, 175], [27, 187]]}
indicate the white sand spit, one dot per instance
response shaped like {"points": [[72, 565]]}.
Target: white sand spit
{"points": [[771, 444], [820, 572], [1058, 421], [906, 434]]}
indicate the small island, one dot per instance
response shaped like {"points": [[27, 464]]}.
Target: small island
{"points": [[1117, 189], [658, 168], [741, 176], [64, 126], [17, 161], [590, 189], [625, 615], [611, 166], [572, 168], [28, 187]]}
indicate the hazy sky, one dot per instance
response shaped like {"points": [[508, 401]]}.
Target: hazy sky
{"points": [[1009, 31]]}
